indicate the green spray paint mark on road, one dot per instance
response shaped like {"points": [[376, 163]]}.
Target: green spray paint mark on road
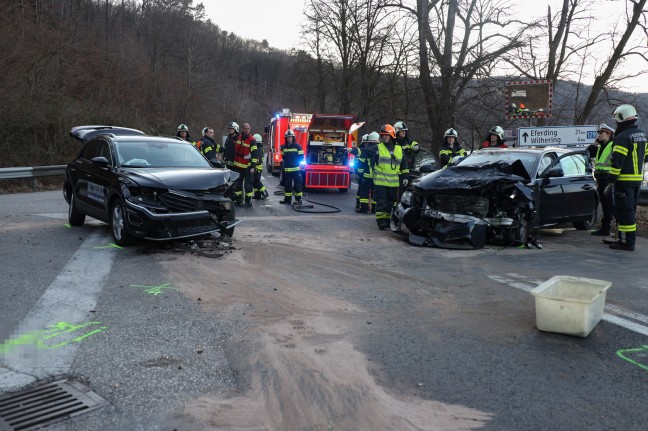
{"points": [[54, 337], [111, 245], [154, 290], [640, 354]]}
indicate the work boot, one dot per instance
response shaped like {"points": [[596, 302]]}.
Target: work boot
{"points": [[383, 224], [264, 195], [286, 201], [257, 195], [601, 232], [618, 245], [248, 203], [238, 202], [362, 209]]}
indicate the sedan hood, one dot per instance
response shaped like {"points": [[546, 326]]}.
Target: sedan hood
{"points": [[180, 178], [472, 177]]}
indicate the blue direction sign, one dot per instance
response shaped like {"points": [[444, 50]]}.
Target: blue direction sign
{"points": [[557, 135]]}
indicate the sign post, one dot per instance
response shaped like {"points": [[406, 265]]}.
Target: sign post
{"points": [[556, 135]]}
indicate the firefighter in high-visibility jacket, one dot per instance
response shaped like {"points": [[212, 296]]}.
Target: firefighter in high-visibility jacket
{"points": [[292, 155], [602, 166], [390, 171], [366, 188], [260, 191], [244, 163], [450, 147], [410, 146], [209, 148], [626, 175]]}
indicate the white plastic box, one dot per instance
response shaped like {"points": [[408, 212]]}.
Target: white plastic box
{"points": [[570, 305]]}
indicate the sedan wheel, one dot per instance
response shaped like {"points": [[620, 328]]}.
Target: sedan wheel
{"points": [[118, 224], [587, 224]]}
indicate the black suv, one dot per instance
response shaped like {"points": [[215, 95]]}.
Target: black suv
{"points": [[146, 186]]}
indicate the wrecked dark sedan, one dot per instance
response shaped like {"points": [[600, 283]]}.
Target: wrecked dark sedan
{"points": [[499, 196], [146, 187]]}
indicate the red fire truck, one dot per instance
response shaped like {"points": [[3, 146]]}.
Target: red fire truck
{"points": [[324, 138]]}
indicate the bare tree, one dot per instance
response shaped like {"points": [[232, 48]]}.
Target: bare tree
{"points": [[635, 17], [459, 41]]}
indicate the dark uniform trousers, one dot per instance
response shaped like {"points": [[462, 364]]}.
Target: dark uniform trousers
{"points": [[625, 212], [367, 194], [244, 180], [386, 198], [292, 183], [606, 201]]}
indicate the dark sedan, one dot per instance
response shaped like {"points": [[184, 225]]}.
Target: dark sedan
{"points": [[499, 196], [146, 187]]}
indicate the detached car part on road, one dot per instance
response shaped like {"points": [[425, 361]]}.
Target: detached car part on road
{"points": [[146, 186], [499, 196]]}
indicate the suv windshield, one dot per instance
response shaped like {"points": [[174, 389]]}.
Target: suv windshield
{"points": [[159, 154], [482, 157]]}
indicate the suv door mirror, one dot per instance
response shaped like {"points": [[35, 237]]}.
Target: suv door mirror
{"points": [[101, 161]]}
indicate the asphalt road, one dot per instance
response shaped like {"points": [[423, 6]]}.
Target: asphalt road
{"points": [[315, 322]]}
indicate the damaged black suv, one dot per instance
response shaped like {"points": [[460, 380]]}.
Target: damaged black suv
{"points": [[499, 196], [146, 186]]}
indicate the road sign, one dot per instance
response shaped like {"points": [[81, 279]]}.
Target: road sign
{"points": [[511, 137], [558, 135]]}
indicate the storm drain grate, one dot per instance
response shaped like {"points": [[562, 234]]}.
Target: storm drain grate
{"points": [[34, 408]]}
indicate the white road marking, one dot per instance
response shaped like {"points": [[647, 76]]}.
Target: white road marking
{"points": [[69, 299], [640, 329], [612, 310]]}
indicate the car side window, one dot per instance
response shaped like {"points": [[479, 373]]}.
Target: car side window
{"points": [[573, 165], [91, 150], [104, 151], [544, 162]]}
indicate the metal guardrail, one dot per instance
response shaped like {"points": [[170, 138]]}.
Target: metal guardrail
{"points": [[45, 171], [31, 172]]}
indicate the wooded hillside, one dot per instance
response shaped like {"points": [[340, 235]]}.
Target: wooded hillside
{"points": [[153, 64]]}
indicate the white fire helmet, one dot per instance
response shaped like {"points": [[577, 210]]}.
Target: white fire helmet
{"points": [[497, 130], [624, 113], [450, 132], [400, 125]]}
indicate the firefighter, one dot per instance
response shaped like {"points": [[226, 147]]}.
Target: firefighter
{"points": [[244, 163], [626, 175], [260, 191], [602, 166], [209, 148], [183, 133], [450, 147], [230, 144], [410, 147], [366, 187], [494, 139], [390, 171], [292, 155], [359, 166]]}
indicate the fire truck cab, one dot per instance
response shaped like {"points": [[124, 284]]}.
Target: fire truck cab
{"points": [[275, 131], [325, 139]]}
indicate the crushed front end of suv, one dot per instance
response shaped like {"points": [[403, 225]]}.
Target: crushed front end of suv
{"points": [[147, 187], [499, 196]]}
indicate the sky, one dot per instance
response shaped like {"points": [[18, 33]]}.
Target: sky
{"points": [[279, 21]]}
